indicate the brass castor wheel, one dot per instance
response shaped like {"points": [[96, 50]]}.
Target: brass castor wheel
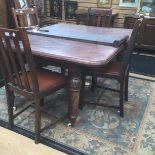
{"points": [[14, 108], [69, 125]]}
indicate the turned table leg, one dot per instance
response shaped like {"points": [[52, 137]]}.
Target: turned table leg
{"points": [[74, 92]]}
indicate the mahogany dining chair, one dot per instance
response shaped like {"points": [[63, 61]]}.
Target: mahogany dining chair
{"points": [[23, 78], [99, 17], [116, 70]]}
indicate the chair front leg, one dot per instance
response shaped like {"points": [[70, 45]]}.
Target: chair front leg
{"points": [[42, 102], [126, 87], [37, 119], [93, 84], [10, 102], [63, 70], [81, 103], [121, 96]]}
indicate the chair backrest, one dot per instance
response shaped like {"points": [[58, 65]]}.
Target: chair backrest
{"points": [[131, 45], [25, 17], [17, 60], [99, 17], [134, 34]]}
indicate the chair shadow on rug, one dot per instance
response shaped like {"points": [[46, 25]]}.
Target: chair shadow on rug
{"points": [[23, 78]]}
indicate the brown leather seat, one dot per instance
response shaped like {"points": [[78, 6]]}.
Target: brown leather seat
{"points": [[47, 81]]}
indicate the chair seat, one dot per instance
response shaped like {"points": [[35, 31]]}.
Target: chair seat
{"points": [[112, 69], [48, 81]]}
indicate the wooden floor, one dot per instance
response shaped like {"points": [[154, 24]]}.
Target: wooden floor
{"points": [[12, 143]]}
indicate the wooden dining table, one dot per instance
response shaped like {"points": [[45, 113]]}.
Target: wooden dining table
{"points": [[61, 47]]}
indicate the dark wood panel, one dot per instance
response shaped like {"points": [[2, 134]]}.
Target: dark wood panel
{"points": [[147, 34], [3, 14], [129, 22], [146, 39]]}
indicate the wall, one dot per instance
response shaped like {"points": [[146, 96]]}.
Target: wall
{"points": [[3, 13], [84, 4]]}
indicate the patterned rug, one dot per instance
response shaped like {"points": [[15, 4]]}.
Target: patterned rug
{"points": [[99, 130]]}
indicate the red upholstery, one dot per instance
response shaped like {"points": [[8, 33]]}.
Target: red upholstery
{"points": [[48, 80]]}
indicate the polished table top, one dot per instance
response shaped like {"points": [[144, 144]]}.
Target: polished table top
{"points": [[75, 52], [97, 35]]}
